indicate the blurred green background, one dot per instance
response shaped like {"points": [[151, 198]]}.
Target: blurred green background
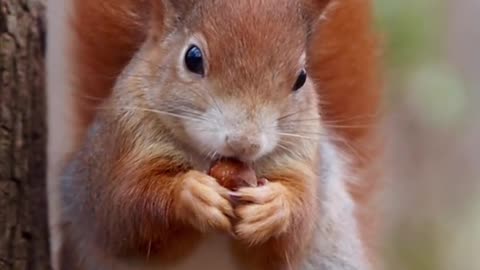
{"points": [[432, 199]]}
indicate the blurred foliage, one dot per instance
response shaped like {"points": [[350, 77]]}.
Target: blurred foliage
{"points": [[426, 89], [417, 250], [414, 32], [439, 95]]}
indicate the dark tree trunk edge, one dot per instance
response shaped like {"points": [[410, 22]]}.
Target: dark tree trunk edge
{"points": [[23, 206]]}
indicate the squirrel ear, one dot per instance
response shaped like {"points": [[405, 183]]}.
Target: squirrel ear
{"points": [[314, 9], [166, 13], [171, 9], [181, 7]]}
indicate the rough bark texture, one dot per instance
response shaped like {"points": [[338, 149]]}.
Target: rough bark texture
{"points": [[23, 214]]}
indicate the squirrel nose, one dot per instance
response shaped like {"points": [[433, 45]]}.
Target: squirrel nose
{"points": [[243, 146]]}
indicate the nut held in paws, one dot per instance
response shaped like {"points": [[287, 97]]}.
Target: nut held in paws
{"points": [[233, 174]]}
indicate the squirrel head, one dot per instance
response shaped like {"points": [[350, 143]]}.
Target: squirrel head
{"points": [[230, 78]]}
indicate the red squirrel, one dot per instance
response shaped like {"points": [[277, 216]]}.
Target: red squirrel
{"points": [[164, 88]]}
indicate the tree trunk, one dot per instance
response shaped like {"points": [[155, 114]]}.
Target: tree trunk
{"points": [[23, 208]]}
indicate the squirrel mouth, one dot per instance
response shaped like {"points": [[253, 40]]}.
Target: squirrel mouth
{"points": [[233, 173], [218, 159]]}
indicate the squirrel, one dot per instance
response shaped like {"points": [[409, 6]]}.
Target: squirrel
{"points": [[163, 88]]}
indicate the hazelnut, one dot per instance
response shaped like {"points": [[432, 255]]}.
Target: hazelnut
{"points": [[233, 174]]}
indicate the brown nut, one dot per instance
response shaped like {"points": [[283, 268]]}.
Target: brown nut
{"points": [[233, 174]]}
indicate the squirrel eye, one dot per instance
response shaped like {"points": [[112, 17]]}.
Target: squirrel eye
{"points": [[302, 78], [194, 60]]}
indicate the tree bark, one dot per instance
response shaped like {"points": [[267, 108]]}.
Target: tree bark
{"points": [[23, 207]]}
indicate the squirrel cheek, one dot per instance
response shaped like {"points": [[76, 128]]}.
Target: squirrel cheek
{"points": [[269, 141], [204, 136]]}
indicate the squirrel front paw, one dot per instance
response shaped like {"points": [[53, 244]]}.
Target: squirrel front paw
{"points": [[264, 212], [203, 203]]}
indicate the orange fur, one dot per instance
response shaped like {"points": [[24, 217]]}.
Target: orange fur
{"points": [[106, 35], [136, 216], [291, 234], [345, 61], [342, 58]]}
